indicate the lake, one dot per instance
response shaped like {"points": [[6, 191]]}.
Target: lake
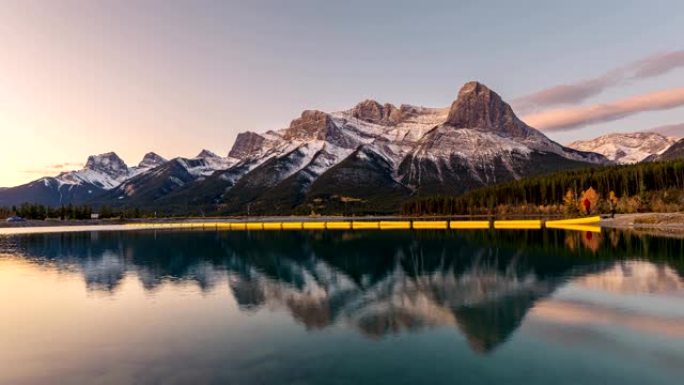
{"points": [[341, 307]]}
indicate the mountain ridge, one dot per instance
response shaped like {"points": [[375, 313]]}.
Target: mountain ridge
{"points": [[675, 151], [625, 148], [323, 161]]}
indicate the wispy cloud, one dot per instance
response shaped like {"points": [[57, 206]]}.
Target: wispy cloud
{"points": [[574, 93], [55, 168], [571, 118], [658, 64], [568, 93], [676, 130]]}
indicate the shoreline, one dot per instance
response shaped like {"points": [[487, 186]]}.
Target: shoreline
{"points": [[655, 224], [265, 218]]}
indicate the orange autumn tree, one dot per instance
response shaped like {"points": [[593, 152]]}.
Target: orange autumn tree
{"points": [[612, 202], [569, 203], [588, 201]]}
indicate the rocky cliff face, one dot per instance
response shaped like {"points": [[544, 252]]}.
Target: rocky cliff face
{"points": [[374, 112], [480, 108], [246, 144], [312, 125]]}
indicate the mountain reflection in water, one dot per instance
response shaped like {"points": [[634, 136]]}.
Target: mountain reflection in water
{"points": [[484, 283]]}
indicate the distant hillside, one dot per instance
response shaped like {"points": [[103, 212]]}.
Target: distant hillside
{"points": [[675, 151], [656, 186], [627, 147]]}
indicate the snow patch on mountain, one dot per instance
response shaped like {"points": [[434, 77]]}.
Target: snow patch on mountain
{"points": [[410, 129], [203, 167], [105, 171], [625, 148], [328, 156]]}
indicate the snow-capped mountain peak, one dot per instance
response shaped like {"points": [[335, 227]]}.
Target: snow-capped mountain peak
{"points": [[206, 163], [103, 171], [206, 154], [108, 163], [151, 160], [626, 147]]}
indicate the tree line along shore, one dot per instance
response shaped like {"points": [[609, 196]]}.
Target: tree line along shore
{"points": [[625, 189]]}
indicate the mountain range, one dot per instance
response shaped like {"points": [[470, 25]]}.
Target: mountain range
{"points": [[370, 158]]}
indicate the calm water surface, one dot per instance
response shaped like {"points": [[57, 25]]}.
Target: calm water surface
{"points": [[402, 307]]}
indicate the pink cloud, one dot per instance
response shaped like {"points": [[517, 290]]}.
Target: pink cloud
{"points": [[574, 93], [54, 168], [570, 118], [568, 93], [577, 313], [658, 64]]}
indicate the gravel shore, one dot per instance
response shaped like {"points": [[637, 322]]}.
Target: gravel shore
{"points": [[657, 224]]}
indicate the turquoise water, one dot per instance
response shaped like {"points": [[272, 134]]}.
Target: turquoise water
{"points": [[327, 307]]}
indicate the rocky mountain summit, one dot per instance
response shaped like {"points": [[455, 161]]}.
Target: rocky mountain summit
{"points": [[477, 107], [374, 112], [108, 164], [151, 160]]}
